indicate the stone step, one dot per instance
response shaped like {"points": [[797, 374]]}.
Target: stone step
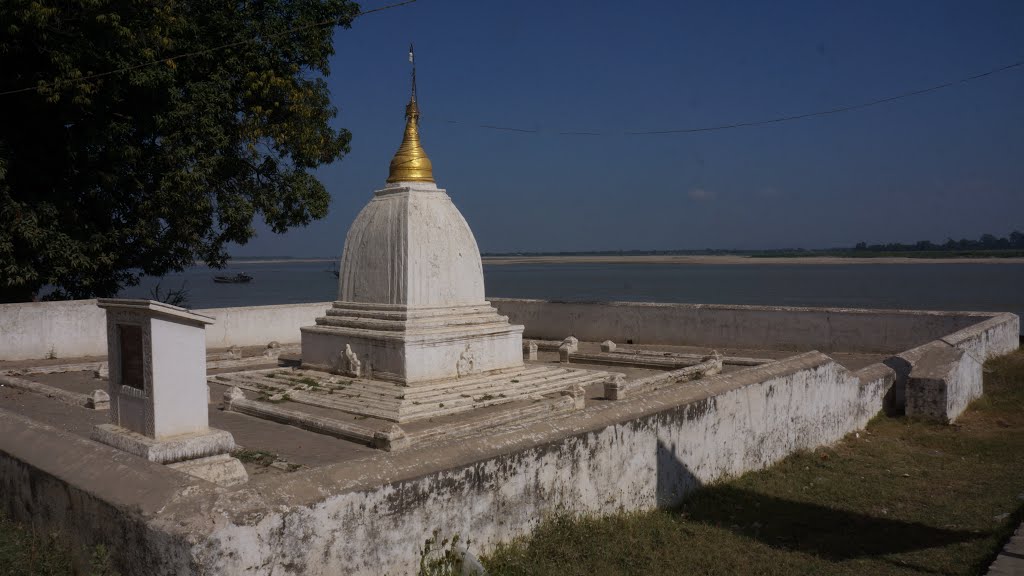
{"points": [[299, 419], [494, 324], [481, 379], [421, 323], [357, 406], [617, 390], [730, 360], [366, 398], [249, 381], [349, 386], [634, 360], [356, 403], [500, 396], [529, 380], [396, 403], [395, 311], [439, 316], [534, 412]]}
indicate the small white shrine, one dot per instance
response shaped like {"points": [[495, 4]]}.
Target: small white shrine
{"points": [[158, 392]]}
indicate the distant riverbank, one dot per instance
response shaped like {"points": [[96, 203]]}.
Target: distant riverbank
{"points": [[737, 259], [716, 259]]}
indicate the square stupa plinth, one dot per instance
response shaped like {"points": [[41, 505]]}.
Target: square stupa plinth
{"points": [[411, 302]]}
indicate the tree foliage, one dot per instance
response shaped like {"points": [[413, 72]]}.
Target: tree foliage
{"points": [[145, 171], [1015, 241]]}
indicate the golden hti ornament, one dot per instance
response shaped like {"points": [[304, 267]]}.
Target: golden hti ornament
{"points": [[410, 163]]}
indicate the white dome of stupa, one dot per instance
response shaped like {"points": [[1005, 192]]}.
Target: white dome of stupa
{"points": [[410, 245]]}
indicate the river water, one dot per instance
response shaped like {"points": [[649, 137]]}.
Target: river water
{"points": [[990, 287]]}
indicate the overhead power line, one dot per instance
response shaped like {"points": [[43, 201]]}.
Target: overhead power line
{"points": [[321, 24], [777, 120]]}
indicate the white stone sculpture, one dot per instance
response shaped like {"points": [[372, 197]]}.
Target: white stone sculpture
{"points": [[466, 362], [532, 351], [353, 367]]}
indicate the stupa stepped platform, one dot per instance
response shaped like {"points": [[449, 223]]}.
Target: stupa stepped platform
{"points": [[380, 320], [393, 402]]}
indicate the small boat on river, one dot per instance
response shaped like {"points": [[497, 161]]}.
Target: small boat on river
{"points": [[239, 278]]}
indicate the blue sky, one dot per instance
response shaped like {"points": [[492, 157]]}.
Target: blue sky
{"points": [[949, 163]]}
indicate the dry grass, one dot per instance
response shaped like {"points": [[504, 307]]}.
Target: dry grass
{"points": [[904, 497], [25, 553]]}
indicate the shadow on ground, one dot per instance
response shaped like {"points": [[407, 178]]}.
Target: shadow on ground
{"points": [[828, 532]]}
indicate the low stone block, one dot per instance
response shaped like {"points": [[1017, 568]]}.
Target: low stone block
{"points": [[564, 351], [579, 396], [222, 469], [230, 395], [213, 442], [391, 440], [573, 343], [608, 346], [273, 350], [895, 402], [614, 387], [942, 383], [98, 400]]}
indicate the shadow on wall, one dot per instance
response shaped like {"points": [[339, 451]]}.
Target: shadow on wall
{"points": [[675, 480], [825, 531]]}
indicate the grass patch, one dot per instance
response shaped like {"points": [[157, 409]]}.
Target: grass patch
{"points": [[260, 457], [26, 553], [902, 497]]}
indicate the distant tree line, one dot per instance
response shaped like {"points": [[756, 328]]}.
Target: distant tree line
{"points": [[1015, 241]]}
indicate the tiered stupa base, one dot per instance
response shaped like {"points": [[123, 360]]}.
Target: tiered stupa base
{"points": [[409, 345]]}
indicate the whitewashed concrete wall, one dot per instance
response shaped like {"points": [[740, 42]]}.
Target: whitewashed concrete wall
{"points": [[77, 328], [825, 329], [61, 329], [371, 516], [594, 464], [258, 325]]}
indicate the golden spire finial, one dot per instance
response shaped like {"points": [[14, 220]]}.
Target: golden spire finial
{"points": [[410, 163]]}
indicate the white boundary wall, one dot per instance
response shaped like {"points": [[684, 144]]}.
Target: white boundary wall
{"points": [[371, 518], [774, 327], [77, 328]]}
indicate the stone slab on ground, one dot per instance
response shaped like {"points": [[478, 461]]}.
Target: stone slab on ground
{"points": [[1010, 561], [66, 396]]}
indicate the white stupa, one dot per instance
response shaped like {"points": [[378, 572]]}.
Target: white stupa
{"points": [[411, 304]]}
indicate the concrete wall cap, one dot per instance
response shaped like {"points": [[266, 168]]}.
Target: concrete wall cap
{"points": [[152, 307]]}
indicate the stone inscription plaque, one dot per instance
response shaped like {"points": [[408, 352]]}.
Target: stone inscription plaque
{"points": [[131, 356]]}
